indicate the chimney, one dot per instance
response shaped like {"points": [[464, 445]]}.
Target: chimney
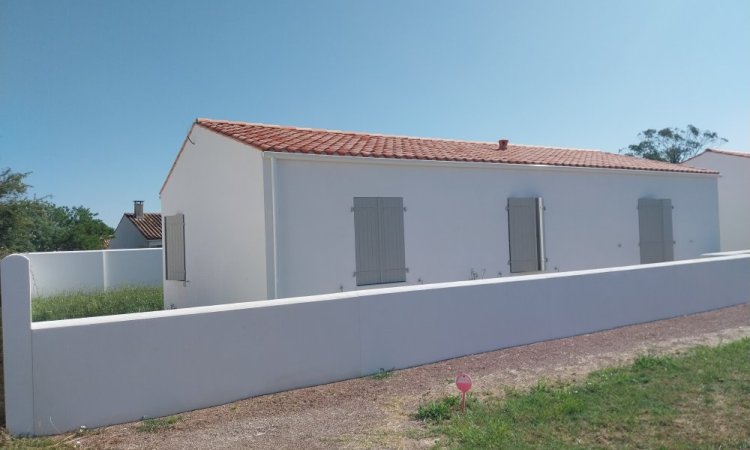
{"points": [[138, 209], [502, 144]]}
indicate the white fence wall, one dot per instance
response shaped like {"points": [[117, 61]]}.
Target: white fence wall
{"points": [[57, 272], [100, 371]]}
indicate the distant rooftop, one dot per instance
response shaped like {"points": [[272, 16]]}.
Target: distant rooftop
{"points": [[728, 152], [149, 225]]}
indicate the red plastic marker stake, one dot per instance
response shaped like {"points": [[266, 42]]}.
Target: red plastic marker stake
{"points": [[463, 382]]}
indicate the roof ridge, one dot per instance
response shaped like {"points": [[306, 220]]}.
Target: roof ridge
{"points": [[145, 214], [355, 133]]}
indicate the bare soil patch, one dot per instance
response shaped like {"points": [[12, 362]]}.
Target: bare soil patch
{"points": [[376, 412]]}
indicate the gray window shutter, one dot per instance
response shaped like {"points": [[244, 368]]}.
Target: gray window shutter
{"points": [[367, 237], [655, 230], [524, 229], [379, 240], [174, 239], [666, 209], [392, 254]]}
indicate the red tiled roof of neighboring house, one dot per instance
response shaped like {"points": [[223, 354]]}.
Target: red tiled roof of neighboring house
{"points": [[149, 225], [343, 143]]}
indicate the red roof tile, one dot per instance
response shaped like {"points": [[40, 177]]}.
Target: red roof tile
{"points": [[325, 142], [149, 225]]}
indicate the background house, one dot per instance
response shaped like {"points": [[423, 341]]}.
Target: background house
{"points": [[734, 194], [137, 230], [259, 211]]}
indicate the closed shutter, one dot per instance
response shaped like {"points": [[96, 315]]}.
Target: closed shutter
{"points": [[392, 254], [174, 239], [367, 237], [655, 230], [379, 240], [524, 234]]}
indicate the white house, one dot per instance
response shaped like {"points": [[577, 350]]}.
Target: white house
{"points": [[137, 230], [734, 194], [256, 211]]}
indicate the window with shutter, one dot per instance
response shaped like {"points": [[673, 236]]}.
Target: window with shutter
{"points": [[526, 234], [174, 247], [655, 230], [379, 240]]}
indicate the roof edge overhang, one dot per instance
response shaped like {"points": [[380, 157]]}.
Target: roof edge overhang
{"points": [[471, 164], [177, 158]]}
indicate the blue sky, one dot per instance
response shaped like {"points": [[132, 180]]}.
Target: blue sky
{"points": [[97, 96]]}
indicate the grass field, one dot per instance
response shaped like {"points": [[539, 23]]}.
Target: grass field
{"points": [[101, 303], [700, 399]]}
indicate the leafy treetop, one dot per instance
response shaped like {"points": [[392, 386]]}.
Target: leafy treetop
{"points": [[35, 224], [674, 145]]}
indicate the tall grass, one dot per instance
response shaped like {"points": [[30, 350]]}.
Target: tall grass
{"points": [[73, 305]]}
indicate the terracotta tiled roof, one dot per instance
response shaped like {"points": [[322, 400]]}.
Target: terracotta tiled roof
{"points": [[149, 225], [343, 143]]}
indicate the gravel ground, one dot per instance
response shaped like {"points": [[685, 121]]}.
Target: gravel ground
{"points": [[370, 413]]}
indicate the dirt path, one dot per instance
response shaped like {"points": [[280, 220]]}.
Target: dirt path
{"points": [[370, 413]]}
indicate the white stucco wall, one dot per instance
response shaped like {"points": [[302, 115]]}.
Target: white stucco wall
{"points": [[104, 370], [59, 272], [127, 236], [246, 240], [734, 196], [456, 219], [217, 184]]}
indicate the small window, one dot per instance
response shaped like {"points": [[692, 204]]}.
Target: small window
{"points": [[174, 251], [526, 234], [379, 240]]}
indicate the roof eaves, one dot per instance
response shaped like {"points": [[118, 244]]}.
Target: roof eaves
{"points": [[729, 152], [403, 160]]}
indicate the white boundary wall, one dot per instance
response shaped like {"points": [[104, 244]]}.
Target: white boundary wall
{"points": [[58, 272], [99, 371]]}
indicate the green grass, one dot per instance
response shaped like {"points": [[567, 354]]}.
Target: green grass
{"points": [[444, 408], [160, 424], [697, 400], [100, 303], [66, 441], [382, 374], [27, 443]]}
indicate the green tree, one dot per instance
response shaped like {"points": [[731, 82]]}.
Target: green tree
{"points": [[673, 145], [16, 213], [34, 224], [75, 228]]}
